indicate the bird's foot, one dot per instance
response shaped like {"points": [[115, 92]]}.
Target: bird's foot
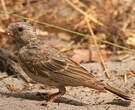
{"points": [[51, 98]]}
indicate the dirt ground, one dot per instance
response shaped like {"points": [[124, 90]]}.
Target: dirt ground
{"points": [[76, 98]]}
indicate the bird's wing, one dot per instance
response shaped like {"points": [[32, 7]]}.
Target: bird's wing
{"points": [[48, 62], [61, 69]]}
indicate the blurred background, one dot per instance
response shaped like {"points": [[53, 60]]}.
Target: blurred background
{"points": [[117, 17]]}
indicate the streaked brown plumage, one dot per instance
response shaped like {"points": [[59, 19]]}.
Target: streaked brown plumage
{"points": [[47, 65]]}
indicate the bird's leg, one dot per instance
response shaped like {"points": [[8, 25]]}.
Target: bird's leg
{"points": [[53, 97]]}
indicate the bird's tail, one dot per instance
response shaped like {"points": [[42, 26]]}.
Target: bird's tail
{"points": [[117, 92]]}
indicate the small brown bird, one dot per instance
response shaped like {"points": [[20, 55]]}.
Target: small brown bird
{"points": [[48, 66]]}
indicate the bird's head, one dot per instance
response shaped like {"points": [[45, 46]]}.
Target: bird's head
{"points": [[21, 32]]}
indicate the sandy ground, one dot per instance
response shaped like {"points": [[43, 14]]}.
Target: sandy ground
{"points": [[76, 98]]}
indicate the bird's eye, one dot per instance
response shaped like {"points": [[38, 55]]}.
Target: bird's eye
{"points": [[20, 29]]}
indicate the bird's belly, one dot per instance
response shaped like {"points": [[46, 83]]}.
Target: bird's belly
{"points": [[43, 80]]}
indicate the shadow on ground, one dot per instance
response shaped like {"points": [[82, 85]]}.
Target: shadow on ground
{"points": [[36, 96], [120, 102]]}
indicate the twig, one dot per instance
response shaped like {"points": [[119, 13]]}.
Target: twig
{"points": [[97, 47], [125, 78], [83, 13]]}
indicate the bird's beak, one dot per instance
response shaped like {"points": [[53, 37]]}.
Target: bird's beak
{"points": [[9, 33]]}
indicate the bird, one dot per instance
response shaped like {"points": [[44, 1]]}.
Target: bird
{"points": [[46, 65]]}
